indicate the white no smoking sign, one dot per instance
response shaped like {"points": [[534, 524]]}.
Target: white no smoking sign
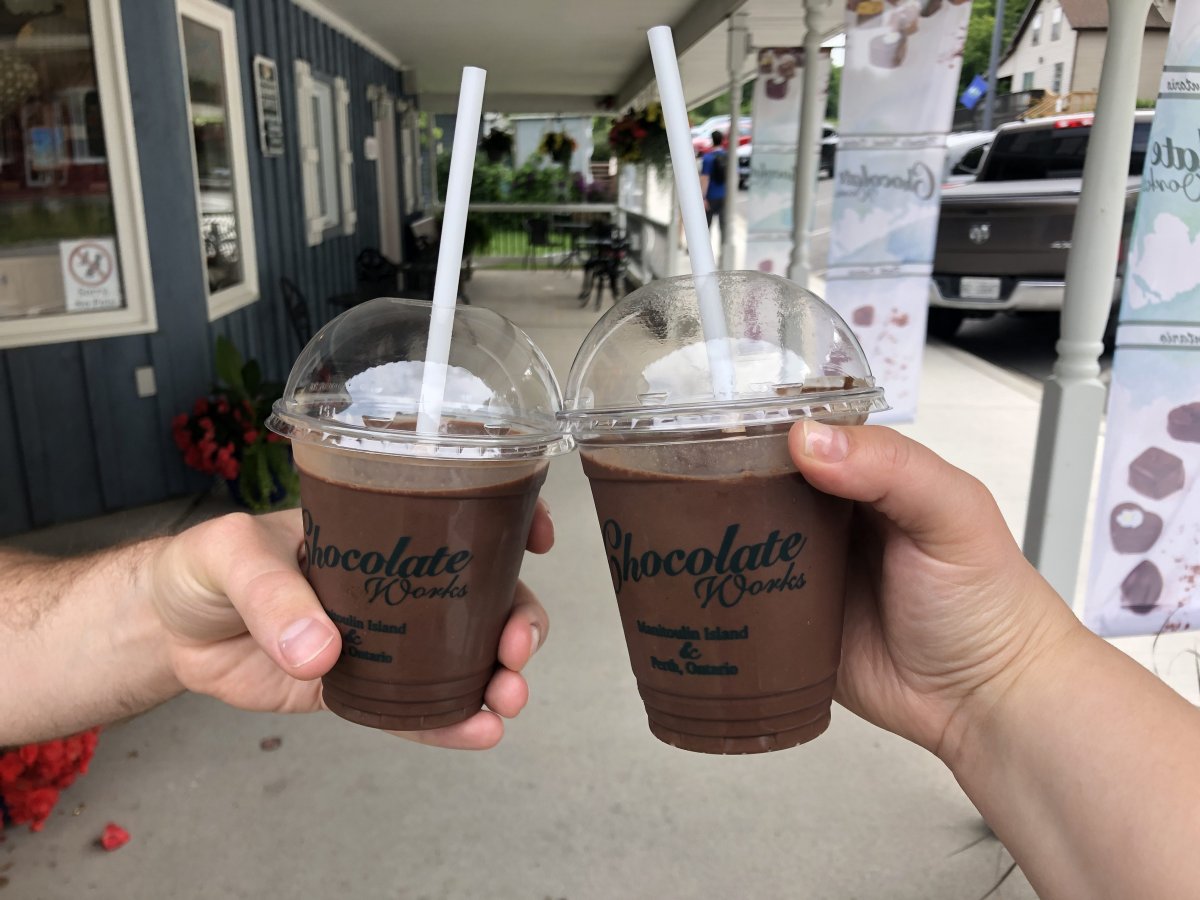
{"points": [[89, 273]]}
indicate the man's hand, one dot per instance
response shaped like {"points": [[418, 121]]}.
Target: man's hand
{"points": [[243, 625]]}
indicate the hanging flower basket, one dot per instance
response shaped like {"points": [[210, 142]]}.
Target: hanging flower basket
{"points": [[640, 136], [496, 145], [559, 146]]}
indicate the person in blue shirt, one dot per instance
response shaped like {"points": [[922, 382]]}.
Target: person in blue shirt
{"points": [[713, 169]]}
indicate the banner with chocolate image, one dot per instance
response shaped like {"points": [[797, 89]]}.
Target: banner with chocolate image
{"points": [[897, 102], [1145, 568], [772, 189]]}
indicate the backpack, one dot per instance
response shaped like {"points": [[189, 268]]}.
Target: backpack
{"points": [[717, 174]]}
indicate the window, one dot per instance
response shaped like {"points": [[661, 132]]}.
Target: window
{"points": [[1058, 78], [73, 257], [1035, 29], [323, 110], [214, 101], [1048, 152], [1056, 23], [1027, 81]]}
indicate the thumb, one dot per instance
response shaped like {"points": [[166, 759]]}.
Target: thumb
{"points": [[253, 562], [932, 502]]}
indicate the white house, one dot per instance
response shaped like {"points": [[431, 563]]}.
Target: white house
{"points": [[1059, 46]]}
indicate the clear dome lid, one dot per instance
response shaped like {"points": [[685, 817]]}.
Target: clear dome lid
{"points": [[644, 367], [357, 386]]}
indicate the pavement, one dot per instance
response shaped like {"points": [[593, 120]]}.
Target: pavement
{"points": [[579, 801]]}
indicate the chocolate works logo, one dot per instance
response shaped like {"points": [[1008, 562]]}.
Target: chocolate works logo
{"points": [[395, 576], [722, 575]]}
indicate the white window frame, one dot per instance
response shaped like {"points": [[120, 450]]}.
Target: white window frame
{"points": [[1056, 17], [334, 169], [1035, 29], [138, 315], [220, 19]]}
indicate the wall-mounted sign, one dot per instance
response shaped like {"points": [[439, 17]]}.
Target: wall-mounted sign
{"points": [[91, 279], [270, 107]]}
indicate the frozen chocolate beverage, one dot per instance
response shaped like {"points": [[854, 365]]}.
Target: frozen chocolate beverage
{"points": [[728, 567], [413, 542]]}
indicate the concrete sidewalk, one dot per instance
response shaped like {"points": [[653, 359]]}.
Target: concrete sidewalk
{"points": [[579, 801]]}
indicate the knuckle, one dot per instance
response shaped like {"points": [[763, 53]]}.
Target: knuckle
{"points": [[895, 453]]}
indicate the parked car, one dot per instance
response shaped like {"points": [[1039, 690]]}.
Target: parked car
{"points": [[964, 156], [702, 141], [829, 144], [1003, 239]]}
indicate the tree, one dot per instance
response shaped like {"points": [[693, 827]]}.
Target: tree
{"points": [[978, 47], [835, 90]]}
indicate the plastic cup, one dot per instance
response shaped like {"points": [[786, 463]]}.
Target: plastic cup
{"points": [[728, 566], [413, 542]]}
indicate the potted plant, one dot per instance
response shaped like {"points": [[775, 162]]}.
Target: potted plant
{"points": [[496, 144], [225, 435], [559, 146]]}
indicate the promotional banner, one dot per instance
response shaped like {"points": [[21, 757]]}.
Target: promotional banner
{"points": [[897, 102], [772, 188], [1145, 571]]}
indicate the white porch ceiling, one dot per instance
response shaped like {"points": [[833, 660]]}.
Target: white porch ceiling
{"points": [[565, 56]]}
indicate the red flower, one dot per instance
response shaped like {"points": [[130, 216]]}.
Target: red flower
{"points": [[114, 837], [11, 767], [250, 435], [201, 406], [222, 406], [226, 465], [180, 421]]}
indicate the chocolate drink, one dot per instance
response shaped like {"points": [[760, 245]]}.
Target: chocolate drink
{"points": [[730, 588], [420, 583]]}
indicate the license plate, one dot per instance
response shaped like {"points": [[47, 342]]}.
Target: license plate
{"points": [[979, 288]]}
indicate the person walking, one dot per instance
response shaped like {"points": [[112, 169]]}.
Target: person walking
{"points": [[714, 167]]}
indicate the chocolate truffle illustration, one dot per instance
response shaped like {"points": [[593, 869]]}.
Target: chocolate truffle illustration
{"points": [[864, 315], [1133, 529], [1142, 587], [1183, 422], [906, 19], [887, 50], [869, 11], [776, 88], [1156, 473], [930, 7]]}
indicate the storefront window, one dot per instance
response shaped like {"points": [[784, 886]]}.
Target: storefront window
{"points": [[73, 260], [57, 232], [219, 143]]}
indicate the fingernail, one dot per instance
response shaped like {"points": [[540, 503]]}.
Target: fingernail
{"points": [[824, 443], [303, 641], [537, 639]]}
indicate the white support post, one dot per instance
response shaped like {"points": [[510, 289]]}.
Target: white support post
{"points": [[1073, 402], [812, 113], [739, 40]]}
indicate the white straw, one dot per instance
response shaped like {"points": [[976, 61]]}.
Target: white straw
{"points": [[691, 206], [450, 249]]}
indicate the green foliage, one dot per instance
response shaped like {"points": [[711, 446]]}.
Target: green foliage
{"points": [[601, 150], [266, 465], [978, 48], [835, 92], [1147, 104]]}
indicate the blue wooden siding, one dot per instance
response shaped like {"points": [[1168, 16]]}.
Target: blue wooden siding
{"points": [[75, 440]]}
